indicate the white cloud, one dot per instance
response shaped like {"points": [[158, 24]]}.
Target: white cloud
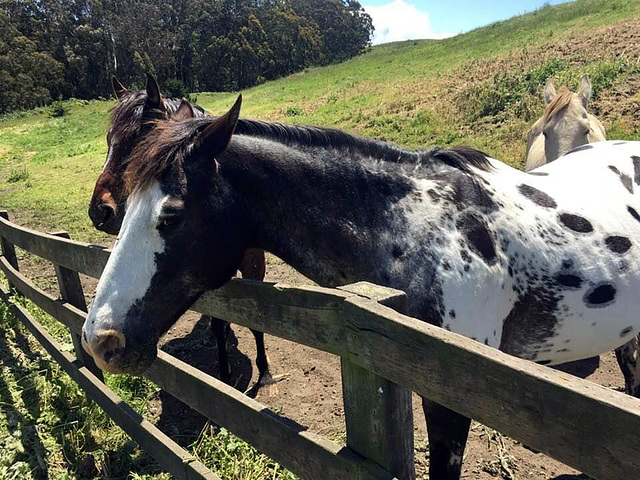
{"points": [[399, 20]]}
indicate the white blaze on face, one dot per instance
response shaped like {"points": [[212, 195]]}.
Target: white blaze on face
{"points": [[109, 154], [131, 266]]}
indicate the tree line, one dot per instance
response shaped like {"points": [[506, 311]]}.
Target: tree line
{"points": [[52, 49]]}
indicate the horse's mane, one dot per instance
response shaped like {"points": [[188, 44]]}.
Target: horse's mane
{"points": [[127, 115], [561, 101], [169, 143]]}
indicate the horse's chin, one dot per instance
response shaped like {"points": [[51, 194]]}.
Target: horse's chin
{"points": [[120, 364]]}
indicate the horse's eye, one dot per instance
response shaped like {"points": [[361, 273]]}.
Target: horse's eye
{"points": [[169, 222]]}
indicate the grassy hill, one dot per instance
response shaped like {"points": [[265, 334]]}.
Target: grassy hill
{"points": [[483, 88]]}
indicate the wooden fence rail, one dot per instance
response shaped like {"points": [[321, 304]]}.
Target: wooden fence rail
{"points": [[382, 351]]}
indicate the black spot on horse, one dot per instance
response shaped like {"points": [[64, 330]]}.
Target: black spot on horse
{"points": [[446, 265], [538, 174], [568, 280], [624, 178], [468, 191], [626, 332], [452, 313], [580, 149], [536, 196], [486, 341], [600, 296], [543, 362], [475, 230], [531, 321], [576, 223], [619, 143], [636, 169], [633, 213], [618, 244], [396, 251]]}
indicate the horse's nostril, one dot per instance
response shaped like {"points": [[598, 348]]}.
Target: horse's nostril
{"points": [[109, 343], [106, 212]]}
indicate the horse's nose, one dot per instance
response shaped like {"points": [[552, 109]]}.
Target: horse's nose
{"points": [[101, 214], [103, 345]]}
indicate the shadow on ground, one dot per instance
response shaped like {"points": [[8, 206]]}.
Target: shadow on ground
{"points": [[198, 348]]}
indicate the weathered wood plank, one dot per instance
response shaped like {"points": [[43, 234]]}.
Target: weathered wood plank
{"points": [[71, 291], [378, 413], [77, 256], [543, 408], [8, 249], [62, 311], [284, 311], [167, 453], [304, 453]]}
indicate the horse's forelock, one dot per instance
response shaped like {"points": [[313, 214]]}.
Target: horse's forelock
{"points": [[561, 101], [163, 147]]}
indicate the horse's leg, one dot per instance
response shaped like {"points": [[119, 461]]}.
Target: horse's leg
{"points": [[220, 329], [448, 433], [253, 267], [628, 356]]}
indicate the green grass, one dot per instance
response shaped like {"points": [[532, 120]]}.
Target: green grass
{"points": [[416, 93]]}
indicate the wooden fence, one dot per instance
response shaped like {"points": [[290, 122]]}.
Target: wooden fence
{"points": [[385, 355]]}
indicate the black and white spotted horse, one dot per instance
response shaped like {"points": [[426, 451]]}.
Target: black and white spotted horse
{"points": [[536, 265]]}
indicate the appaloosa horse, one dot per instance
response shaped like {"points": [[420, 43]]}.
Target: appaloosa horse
{"points": [[531, 264], [565, 125], [131, 120]]}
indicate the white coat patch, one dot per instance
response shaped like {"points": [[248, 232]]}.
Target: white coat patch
{"points": [[131, 266]]}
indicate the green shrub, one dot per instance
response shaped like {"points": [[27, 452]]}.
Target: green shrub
{"points": [[293, 111], [58, 109], [175, 88]]}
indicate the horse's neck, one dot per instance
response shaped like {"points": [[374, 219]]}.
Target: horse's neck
{"points": [[322, 211]]}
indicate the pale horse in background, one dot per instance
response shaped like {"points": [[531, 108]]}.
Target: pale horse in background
{"points": [[564, 126]]}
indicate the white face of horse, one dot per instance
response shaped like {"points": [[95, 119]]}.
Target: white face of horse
{"points": [[127, 277]]}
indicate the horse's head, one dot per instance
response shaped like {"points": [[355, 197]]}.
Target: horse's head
{"points": [[566, 124], [131, 120], [183, 232]]}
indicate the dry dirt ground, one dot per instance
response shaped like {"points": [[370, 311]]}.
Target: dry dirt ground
{"points": [[311, 392]]}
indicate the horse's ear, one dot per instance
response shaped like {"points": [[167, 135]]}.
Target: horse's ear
{"points": [[585, 90], [216, 136], [549, 91], [154, 99], [119, 89], [185, 110]]}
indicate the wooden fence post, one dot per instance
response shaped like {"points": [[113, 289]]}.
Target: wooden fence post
{"points": [[71, 291], [378, 413], [8, 250]]}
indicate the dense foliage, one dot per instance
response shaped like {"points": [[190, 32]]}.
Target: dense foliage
{"points": [[69, 48]]}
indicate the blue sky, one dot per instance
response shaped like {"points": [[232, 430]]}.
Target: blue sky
{"points": [[410, 19]]}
